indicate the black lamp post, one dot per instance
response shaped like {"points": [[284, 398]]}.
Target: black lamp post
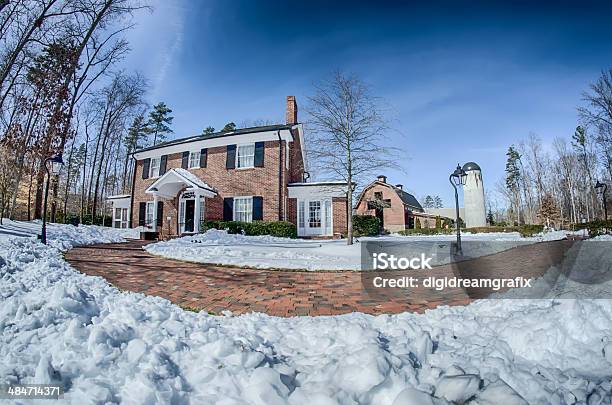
{"points": [[56, 165], [604, 187], [457, 178]]}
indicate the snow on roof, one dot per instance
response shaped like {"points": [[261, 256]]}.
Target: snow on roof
{"points": [[193, 179], [117, 197], [318, 183]]}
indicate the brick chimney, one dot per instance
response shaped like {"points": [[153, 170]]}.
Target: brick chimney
{"points": [[400, 186], [292, 110], [382, 179]]}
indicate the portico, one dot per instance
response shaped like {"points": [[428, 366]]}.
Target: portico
{"points": [[186, 192]]}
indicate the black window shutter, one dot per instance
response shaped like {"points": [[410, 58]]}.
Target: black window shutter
{"points": [[228, 209], [230, 163], [160, 213], [203, 157], [163, 164], [257, 208], [145, 168], [142, 212], [185, 161], [259, 154]]}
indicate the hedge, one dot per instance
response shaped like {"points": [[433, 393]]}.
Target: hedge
{"points": [[524, 230], [366, 225], [281, 229], [597, 227]]}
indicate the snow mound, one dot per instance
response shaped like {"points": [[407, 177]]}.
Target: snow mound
{"points": [[60, 326]]}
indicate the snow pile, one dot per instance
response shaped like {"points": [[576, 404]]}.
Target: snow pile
{"points": [[60, 326], [219, 247], [64, 236]]}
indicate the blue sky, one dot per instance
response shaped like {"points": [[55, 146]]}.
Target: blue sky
{"points": [[463, 80]]}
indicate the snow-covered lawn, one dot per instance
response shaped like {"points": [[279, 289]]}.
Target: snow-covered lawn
{"points": [[219, 247], [103, 345]]}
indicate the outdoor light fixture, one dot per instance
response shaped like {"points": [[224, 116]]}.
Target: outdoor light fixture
{"points": [[458, 178], [603, 187], [56, 166]]}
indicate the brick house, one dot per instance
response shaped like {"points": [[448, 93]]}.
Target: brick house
{"points": [[248, 174], [396, 208]]}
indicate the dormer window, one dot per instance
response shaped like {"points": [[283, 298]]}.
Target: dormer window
{"points": [[245, 156]]}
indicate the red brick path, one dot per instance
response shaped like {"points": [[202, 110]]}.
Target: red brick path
{"points": [[288, 293]]}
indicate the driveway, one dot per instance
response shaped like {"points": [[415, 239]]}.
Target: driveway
{"points": [[288, 293]]}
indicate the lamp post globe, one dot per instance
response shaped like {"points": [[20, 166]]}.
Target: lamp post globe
{"points": [[56, 166], [458, 178]]}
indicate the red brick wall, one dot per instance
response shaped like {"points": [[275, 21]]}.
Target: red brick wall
{"points": [[394, 217], [292, 210], [258, 181], [340, 220]]}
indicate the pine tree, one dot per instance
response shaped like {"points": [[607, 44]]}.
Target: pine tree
{"points": [[548, 211], [438, 222], [208, 130], [417, 224], [136, 132], [490, 218], [428, 202], [438, 202], [159, 121], [513, 176], [230, 126]]}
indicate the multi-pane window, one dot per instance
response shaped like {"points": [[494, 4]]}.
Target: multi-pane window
{"points": [[202, 208], [194, 159], [314, 214], [117, 218], [149, 217], [301, 214], [328, 217], [243, 209], [154, 169], [245, 156]]}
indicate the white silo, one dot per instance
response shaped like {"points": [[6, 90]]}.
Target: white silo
{"points": [[473, 196]]}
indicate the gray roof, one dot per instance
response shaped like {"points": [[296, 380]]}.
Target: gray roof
{"points": [[470, 166], [409, 199], [202, 137]]}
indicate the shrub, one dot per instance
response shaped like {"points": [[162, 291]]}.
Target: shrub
{"points": [[530, 230], [597, 227], [417, 224], [438, 222], [426, 231], [366, 225], [281, 229]]}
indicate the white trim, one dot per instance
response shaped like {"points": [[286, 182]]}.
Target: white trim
{"points": [[197, 163], [220, 141], [316, 191], [179, 178]]}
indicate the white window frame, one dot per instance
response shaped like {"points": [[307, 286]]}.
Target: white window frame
{"points": [[313, 219], [243, 209], [194, 159], [150, 214], [249, 157], [154, 170]]}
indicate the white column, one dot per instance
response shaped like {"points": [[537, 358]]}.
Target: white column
{"points": [[196, 213], [155, 200]]}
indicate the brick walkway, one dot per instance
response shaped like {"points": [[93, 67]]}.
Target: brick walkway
{"points": [[288, 293]]}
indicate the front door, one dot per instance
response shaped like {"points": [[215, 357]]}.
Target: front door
{"points": [[189, 215], [314, 217]]}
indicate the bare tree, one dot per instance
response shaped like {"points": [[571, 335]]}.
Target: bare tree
{"points": [[348, 128]]}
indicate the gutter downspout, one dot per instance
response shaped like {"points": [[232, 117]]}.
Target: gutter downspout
{"points": [[280, 176]]}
